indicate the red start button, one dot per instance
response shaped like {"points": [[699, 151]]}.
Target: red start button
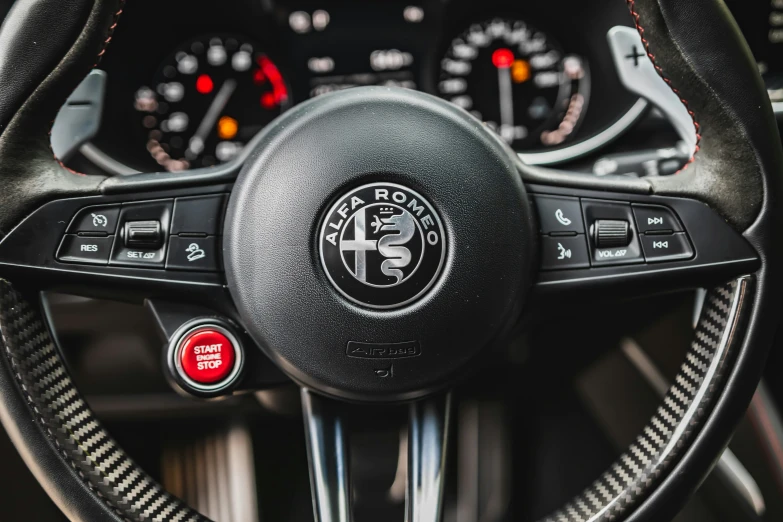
{"points": [[206, 356]]}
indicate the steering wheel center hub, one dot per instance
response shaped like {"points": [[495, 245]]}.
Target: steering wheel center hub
{"points": [[382, 245], [376, 242]]}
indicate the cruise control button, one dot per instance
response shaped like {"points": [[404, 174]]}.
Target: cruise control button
{"points": [[95, 220], [206, 356], [138, 257], [655, 218], [142, 255], [671, 247], [559, 214], [193, 253], [91, 250], [561, 253], [143, 234], [198, 215]]}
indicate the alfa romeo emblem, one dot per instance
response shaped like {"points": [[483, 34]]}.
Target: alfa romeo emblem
{"points": [[382, 245]]}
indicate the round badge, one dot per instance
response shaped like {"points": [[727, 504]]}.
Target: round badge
{"points": [[382, 245]]}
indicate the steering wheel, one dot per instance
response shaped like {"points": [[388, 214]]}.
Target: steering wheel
{"points": [[377, 244]]}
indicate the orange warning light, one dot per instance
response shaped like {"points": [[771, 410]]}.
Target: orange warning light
{"points": [[227, 127], [520, 71]]}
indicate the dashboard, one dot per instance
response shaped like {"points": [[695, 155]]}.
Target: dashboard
{"points": [[188, 86]]}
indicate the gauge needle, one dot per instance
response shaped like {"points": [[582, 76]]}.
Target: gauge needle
{"points": [[506, 104], [196, 144]]}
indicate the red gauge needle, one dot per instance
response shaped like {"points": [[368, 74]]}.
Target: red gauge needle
{"points": [[502, 59]]}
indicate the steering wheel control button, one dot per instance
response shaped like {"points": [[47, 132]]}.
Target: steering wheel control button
{"points": [[598, 212], [100, 221], [193, 253], [80, 249], [199, 215], [206, 356], [651, 219], [669, 247], [382, 245], [559, 215], [611, 233], [562, 253], [143, 234]]}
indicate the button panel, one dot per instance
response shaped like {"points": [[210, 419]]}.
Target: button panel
{"points": [[177, 234], [607, 233]]}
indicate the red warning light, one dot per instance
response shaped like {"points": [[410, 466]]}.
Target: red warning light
{"points": [[268, 100], [259, 77], [502, 58], [204, 84]]}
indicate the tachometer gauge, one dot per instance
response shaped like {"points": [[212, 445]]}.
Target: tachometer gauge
{"points": [[518, 81], [209, 98]]}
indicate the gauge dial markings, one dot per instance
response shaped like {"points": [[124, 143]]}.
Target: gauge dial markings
{"points": [[210, 96], [513, 77]]}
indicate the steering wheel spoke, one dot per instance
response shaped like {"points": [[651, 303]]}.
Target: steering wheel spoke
{"points": [[162, 248], [427, 443], [327, 455], [329, 459]]}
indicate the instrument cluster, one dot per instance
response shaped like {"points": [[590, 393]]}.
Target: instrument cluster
{"points": [[184, 93]]}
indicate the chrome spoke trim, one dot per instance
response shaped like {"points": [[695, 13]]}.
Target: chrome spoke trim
{"points": [[327, 454], [427, 442]]}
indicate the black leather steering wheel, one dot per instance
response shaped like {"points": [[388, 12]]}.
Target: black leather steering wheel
{"points": [[479, 253]]}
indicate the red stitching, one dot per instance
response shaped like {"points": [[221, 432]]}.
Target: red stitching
{"points": [[104, 45], [63, 165], [659, 70], [109, 34]]}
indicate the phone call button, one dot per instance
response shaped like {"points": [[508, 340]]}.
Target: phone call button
{"points": [[559, 214]]}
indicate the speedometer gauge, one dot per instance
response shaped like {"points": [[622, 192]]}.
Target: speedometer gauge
{"points": [[518, 81], [208, 99]]}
